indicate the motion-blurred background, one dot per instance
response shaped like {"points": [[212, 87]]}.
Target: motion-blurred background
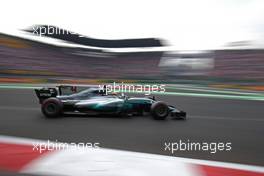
{"points": [[211, 43], [27, 61]]}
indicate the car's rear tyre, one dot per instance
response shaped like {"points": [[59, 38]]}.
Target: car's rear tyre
{"points": [[52, 107], [159, 110]]}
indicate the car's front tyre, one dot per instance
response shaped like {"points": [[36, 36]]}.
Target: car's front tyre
{"points": [[159, 110], [52, 107]]}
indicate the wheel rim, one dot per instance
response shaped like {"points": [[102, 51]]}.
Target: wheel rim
{"points": [[161, 111], [51, 108]]}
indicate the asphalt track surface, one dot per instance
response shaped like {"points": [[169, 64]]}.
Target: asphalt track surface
{"points": [[240, 122]]}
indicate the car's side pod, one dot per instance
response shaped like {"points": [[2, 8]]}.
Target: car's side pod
{"points": [[45, 93]]}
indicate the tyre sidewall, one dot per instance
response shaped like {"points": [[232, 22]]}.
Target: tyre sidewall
{"points": [[154, 110], [52, 107]]}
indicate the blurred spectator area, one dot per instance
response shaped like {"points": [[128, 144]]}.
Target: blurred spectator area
{"points": [[231, 64], [41, 59], [240, 64], [28, 58]]}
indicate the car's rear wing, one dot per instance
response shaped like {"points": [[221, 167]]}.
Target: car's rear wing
{"points": [[46, 92]]}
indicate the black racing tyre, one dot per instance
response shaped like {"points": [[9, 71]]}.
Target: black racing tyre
{"points": [[52, 107], [159, 110]]}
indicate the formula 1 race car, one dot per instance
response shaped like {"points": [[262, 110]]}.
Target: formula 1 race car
{"points": [[94, 101]]}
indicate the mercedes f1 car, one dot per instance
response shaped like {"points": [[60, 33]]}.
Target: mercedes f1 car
{"points": [[94, 101]]}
